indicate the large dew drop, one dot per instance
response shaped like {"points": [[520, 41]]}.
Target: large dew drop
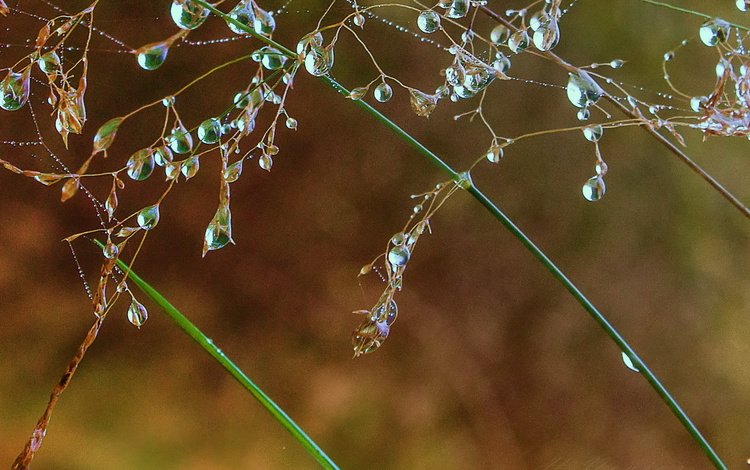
{"points": [[106, 134], [629, 362], [209, 131], [49, 63], [219, 231], [383, 92], [244, 14], [187, 14], [594, 188], [583, 90], [264, 23], [148, 217], [141, 164], [15, 89], [271, 58], [547, 36], [398, 256], [137, 313], [152, 56], [428, 21], [714, 31], [457, 9], [180, 140], [319, 61]]}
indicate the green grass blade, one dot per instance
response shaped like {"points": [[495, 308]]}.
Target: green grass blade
{"points": [[208, 345]]}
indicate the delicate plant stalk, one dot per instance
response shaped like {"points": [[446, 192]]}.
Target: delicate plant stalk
{"points": [[690, 12], [208, 345], [535, 251]]}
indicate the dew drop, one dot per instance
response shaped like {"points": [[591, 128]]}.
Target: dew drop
{"points": [[743, 5], [291, 123], [162, 156], [698, 103], [383, 92], [309, 40], [15, 89], [546, 37], [244, 14], [266, 162], [264, 23], [49, 63], [519, 41], [180, 140], [457, 9], [422, 103], [593, 133], [583, 114], [141, 164], [110, 250], [398, 256], [190, 167], [629, 362], [137, 313], [428, 21], [714, 31], [499, 34], [594, 188], [272, 58], [209, 131], [106, 134], [219, 231], [319, 61], [359, 20], [152, 56], [582, 90], [148, 217], [233, 172], [398, 239], [187, 14]]}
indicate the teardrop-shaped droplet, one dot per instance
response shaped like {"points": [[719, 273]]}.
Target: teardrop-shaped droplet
{"points": [[219, 231], [244, 14], [398, 256], [265, 161], [172, 170], [141, 164], [319, 61], [421, 103], [743, 5], [457, 9], [180, 140], [593, 133], [547, 36], [137, 313], [15, 89], [264, 23], [385, 312], [187, 14], [163, 155], [233, 172], [594, 188], [538, 20], [383, 92], [714, 32], [309, 40], [494, 154], [272, 58], [501, 63], [582, 90], [110, 250], [428, 21], [106, 134], [148, 217], [152, 56], [519, 41], [209, 132], [698, 103], [499, 34], [628, 362], [49, 63], [357, 93], [190, 167]]}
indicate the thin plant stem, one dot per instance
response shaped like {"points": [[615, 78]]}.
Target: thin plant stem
{"points": [[208, 345], [466, 183], [691, 12]]}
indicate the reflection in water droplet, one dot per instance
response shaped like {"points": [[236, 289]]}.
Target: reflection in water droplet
{"points": [[499, 34], [148, 217], [428, 21], [152, 56], [190, 167], [594, 188], [582, 90], [398, 256], [383, 92], [180, 140], [319, 61], [49, 63], [15, 89], [714, 32], [593, 133], [137, 313], [628, 362], [141, 164], [209, 131], [219, 231], [242, 13], [187, 14]]}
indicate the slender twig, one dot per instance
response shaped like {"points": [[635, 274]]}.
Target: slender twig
{"points": [[691, 12], [208, 345], [535, 251], [725, 193]]}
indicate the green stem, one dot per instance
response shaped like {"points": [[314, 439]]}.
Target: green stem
{"points": [[691, 12], [208, 345], [652, 379]]}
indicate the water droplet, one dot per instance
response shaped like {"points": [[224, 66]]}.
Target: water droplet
{"points": [[219, 231], [141, 164], [495, 153], [593, 133], [209, 131], [190, 167], [519, 41], [499, 34], [162, 156], [698, 103], [583, 114], [319, 61], [629, 362], [180, 140], [457, 9], [272, 58], [463, 180], [244, 14], [383, 313], [547, 36], [359, 19], [428, 21], [617, 63], [168, 101], [714, 31], [187, 14], [594, 188], [357, 93], [398, 256], [501, 63], [137, 313], [49, 63], [309, 40], [538, 20], [233, 172], [110, 250], [583, 90], [383, 92], [172, 170], [148, 217], [106, 134], [398, 239], [422, 103], [152, 56], [291, 123], [743, 5], [266, 162], [15, 89], [264, 23]]}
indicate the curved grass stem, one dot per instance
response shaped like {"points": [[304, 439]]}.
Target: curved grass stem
{"points": [[208, 345]]}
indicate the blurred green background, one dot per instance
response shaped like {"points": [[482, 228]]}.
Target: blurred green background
{"points": [[491, 363]]}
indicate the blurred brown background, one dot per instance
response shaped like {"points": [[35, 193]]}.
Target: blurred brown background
{"points": [[491, 363]]}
